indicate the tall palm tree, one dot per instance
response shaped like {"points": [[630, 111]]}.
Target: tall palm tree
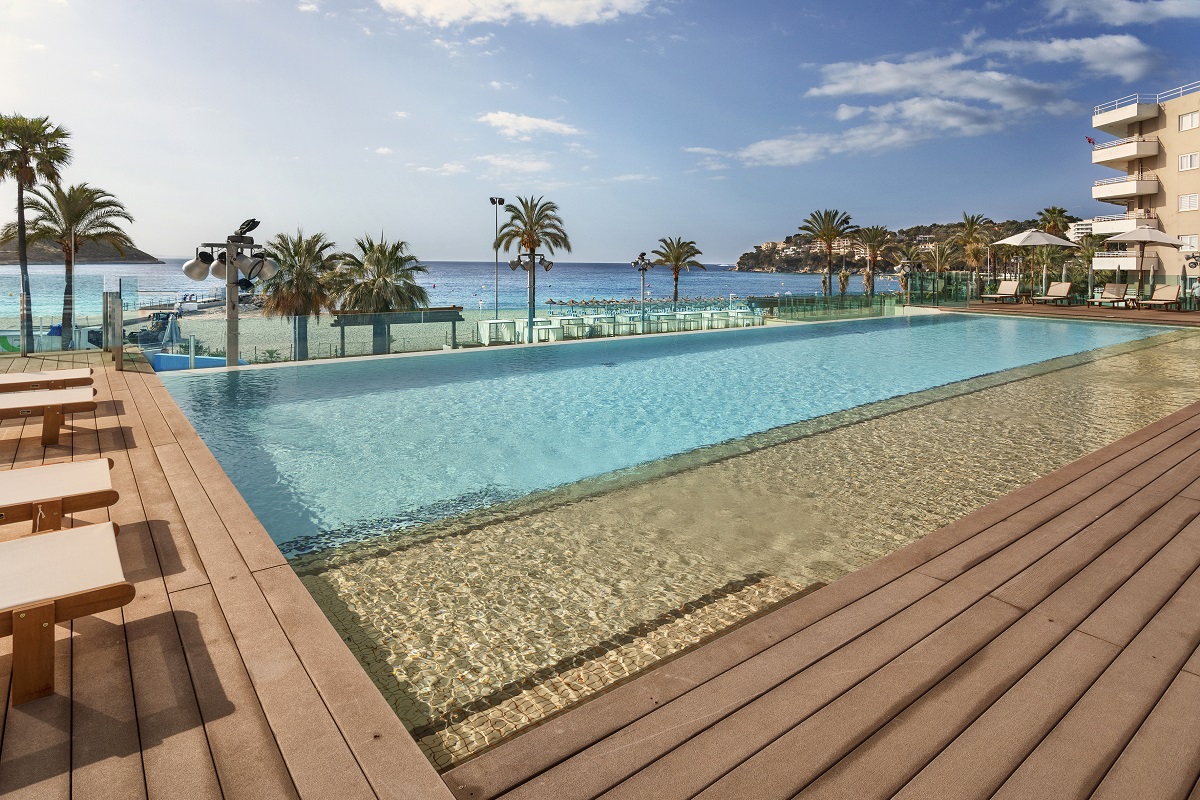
{"points": [[877, 241], [1089, 245], [379, 278], [678, 255], [68, 217], [827, 227], [941, 257], [532, 223], [974, 239], [301, 287], [1053, 220], [31, 150]]}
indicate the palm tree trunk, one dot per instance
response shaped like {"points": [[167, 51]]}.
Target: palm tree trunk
{"points": [[829, 269], [300, 332], [675, 296], [23, 258], [68, 315]]}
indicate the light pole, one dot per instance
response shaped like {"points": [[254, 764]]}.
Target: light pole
{"points": [[227, 265], [496, 203], [642, 265], [529, 262]]}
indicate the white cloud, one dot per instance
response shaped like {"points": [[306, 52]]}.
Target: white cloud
{"points": [[1122, 12], [557, 12], [501, 85], [480, 41], [713, 160], [521, 127], [845, 112], [400, 114], [636, 177], [1123, 56], [450, 168], [383, 151], [521, 164], [308, 7]]}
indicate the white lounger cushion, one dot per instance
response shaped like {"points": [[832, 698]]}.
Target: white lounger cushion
{"points": [[24, 378], [57, 564], [64, 397], [49, 481]]}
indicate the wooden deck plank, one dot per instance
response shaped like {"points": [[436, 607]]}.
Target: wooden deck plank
{"points": [[1160, 763], [316, 754], [244, 751], [1075, 756], [765, 750], [976, 763], [35, 758], [635, 746]]}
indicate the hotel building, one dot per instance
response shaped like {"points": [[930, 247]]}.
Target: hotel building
{"points": [[1157, 156]]}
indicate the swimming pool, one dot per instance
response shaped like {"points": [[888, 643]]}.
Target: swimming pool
{"points": [[332, 452]]}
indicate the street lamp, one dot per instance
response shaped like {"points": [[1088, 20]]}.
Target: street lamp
{"points": [[642, 265], [496, 203], [529, 262], [234, 252]]}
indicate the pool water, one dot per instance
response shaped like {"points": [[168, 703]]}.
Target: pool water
{"points": [[333, 452]]}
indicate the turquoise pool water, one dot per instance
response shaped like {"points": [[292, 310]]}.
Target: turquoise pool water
{"points": [[346, 450]]}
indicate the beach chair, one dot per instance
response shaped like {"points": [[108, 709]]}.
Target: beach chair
{"points": [[1164, 297], [50, 578], [52, 379], [50, 405], [1113, 293], [45, 494], [1007, 290], [1059, 290]]}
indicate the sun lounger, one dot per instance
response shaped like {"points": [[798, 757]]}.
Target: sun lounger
{"points": [[49, 405], [49, 578], [45, 494], [1059, 290], [52, 379], [1113, 293], [1164, 297], [1007, 290]]}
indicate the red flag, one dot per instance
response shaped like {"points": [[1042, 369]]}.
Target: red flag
{"points": [[1091, 141]]}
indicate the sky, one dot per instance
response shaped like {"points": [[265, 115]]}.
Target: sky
{"points": [[721, 122]]}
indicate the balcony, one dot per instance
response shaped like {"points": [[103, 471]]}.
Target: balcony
{"points": [[1126, 261], [1123, 187], [1121, 223], [1117, 116], [1119, 153]]}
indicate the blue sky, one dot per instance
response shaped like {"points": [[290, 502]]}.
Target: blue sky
{"points": [[722, 122]]}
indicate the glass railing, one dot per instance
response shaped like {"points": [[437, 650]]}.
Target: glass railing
{"points": [[954, 289], [849, 306]]}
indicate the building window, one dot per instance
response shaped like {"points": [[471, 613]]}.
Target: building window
{"points": [[1189, 121], [1191, 243], [1189, 202], [1189, 161]]}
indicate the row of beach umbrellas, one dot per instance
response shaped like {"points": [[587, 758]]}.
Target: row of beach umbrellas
{"points": [[1140, 236]]}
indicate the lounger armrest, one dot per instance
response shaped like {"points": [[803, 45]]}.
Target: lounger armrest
{"points": [[80, 604]]}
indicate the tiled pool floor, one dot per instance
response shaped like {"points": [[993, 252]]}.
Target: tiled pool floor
{"points": [[475, 635]]}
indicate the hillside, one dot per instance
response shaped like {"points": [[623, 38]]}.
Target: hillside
{"points": [[89, 253]]}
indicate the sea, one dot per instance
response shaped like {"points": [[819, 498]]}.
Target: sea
{"points": [[470, 284]]}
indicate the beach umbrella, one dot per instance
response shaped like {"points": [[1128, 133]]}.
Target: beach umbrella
{"points": [[1143, 237], [1036, 238]]}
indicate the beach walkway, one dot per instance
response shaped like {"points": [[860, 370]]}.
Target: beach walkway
{"points": [[1043, 646]]}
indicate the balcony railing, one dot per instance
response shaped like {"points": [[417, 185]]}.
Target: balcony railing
{"points": [[1126, 140], [1140, 214], [1134, 99], [1145, 176]]}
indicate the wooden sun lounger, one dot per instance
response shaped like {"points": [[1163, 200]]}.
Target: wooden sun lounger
{"points": [[51, 379], [1113, 293], [50, 578], [1164, 297], [1059, 290], [45, 494], [49, 405], [1007, 290]]}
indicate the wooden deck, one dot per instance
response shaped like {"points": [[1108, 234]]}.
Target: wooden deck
{"points": [[1043, 646], [1094, 313], [222, 677]]}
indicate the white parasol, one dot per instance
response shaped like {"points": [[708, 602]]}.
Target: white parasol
{"points": [[1143, 237]]}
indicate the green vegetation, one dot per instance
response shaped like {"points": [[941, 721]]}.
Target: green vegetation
{"points": [[378, 278], [679, 255], [827, 227], [877, 241], [301, 287], [68, 218]]}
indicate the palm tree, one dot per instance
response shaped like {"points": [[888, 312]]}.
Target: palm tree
{"points": [[68, 217], [827, 227], [678, 255], [974, 238], [31, 150], [1054, 220], [1089, 245], [301, 287], [379, 278], [877, 241], [941, 257], [906, 258], [532, 224]]}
